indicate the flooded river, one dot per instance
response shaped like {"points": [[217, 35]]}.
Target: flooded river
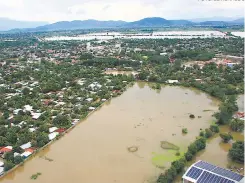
{"points": [[216, 151], [96, 151]]}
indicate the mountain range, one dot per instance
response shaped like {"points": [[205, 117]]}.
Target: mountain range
{"points": [[89, 24], [7, 24]]}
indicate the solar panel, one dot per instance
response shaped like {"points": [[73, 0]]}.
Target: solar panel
{"points": [[207, 177], [227, 173], [205, 165], [194, 173]]}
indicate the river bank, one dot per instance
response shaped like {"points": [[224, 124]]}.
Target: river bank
{"points": [[140, 117]]}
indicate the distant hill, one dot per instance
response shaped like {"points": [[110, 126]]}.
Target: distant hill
{"points": [[146, 22], [223, 23], [240, 21], [149, 22], [7, 24], [80, 24], [223, 19]]}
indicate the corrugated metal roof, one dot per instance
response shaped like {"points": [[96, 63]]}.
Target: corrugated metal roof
{"points": [[203, 172]]}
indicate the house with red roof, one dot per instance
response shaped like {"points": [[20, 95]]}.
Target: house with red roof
{"points": [[6, 149]]}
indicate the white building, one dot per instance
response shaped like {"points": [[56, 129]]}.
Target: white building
{"points": [[172, 81], [51, 136], [52, 129], [1, 163], [91, 108], [204, 172], [28, 108], [1, 170], [26, 154], [25, 146]]}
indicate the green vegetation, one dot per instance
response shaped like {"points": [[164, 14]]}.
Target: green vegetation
{"points": [[35, 176], [214, 128], [237, 125], [236, 153], [178, 165], [64, 81], [226, 137], [208, 133], [168, 145], [184, 131]]}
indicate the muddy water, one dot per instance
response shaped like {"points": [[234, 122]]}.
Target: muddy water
{"points": [[216, 151], [96, 150]]}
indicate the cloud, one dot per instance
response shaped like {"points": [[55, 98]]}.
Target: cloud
{"points": [[128, 10]]}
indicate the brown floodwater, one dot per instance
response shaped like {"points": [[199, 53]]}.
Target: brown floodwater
{"points": [[216, 151], [97, 149]]}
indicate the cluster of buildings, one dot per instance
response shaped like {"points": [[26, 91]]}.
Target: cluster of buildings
{"points": [[218, 61]]}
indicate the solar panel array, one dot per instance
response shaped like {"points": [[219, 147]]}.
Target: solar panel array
{"points": [[205, 165], [227, 173], [194, 173], [207, 177], [220, 171], [205, 172]]}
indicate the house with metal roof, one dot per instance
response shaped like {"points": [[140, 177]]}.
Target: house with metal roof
{"points": [[203, 172]]}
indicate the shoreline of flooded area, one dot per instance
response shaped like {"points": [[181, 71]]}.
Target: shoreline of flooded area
{"points": [[96, 150]]}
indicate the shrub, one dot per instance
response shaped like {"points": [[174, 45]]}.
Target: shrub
{"points": [[236, 153], [214, 128], [179, 164], [192, 148], [8, 165], [226, 137], [184, 130], [188, 156], [192, 116], [237, 125], [177, 153], [18, 159], [200, 143], [208, 133], [202, 133]]}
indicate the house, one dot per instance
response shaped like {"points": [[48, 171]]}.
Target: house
{"points": [[172, 81], [32, 129], [60, 130], [51, 136], [89, 99], [6, 149], [204, 172], [25, 146], [26, 154], [16, 154], [239, 115], [31, 150], [36, 115], [28, 108], [16, 111], [75, 121], [1, 170], [52, 129], [91, 108], [1, 163]]}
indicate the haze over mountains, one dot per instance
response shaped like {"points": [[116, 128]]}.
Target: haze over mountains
{"points": [[7, 24]]}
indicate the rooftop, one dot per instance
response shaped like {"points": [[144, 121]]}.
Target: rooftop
{"points": [[203, 172]]}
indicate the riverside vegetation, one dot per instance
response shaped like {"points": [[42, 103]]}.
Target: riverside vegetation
{"points": [[62, 81]]}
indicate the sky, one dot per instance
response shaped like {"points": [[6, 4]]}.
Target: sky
{"points": [[127, 10]]}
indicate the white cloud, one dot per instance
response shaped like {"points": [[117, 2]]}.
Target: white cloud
{"points": [[129, 10]]}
